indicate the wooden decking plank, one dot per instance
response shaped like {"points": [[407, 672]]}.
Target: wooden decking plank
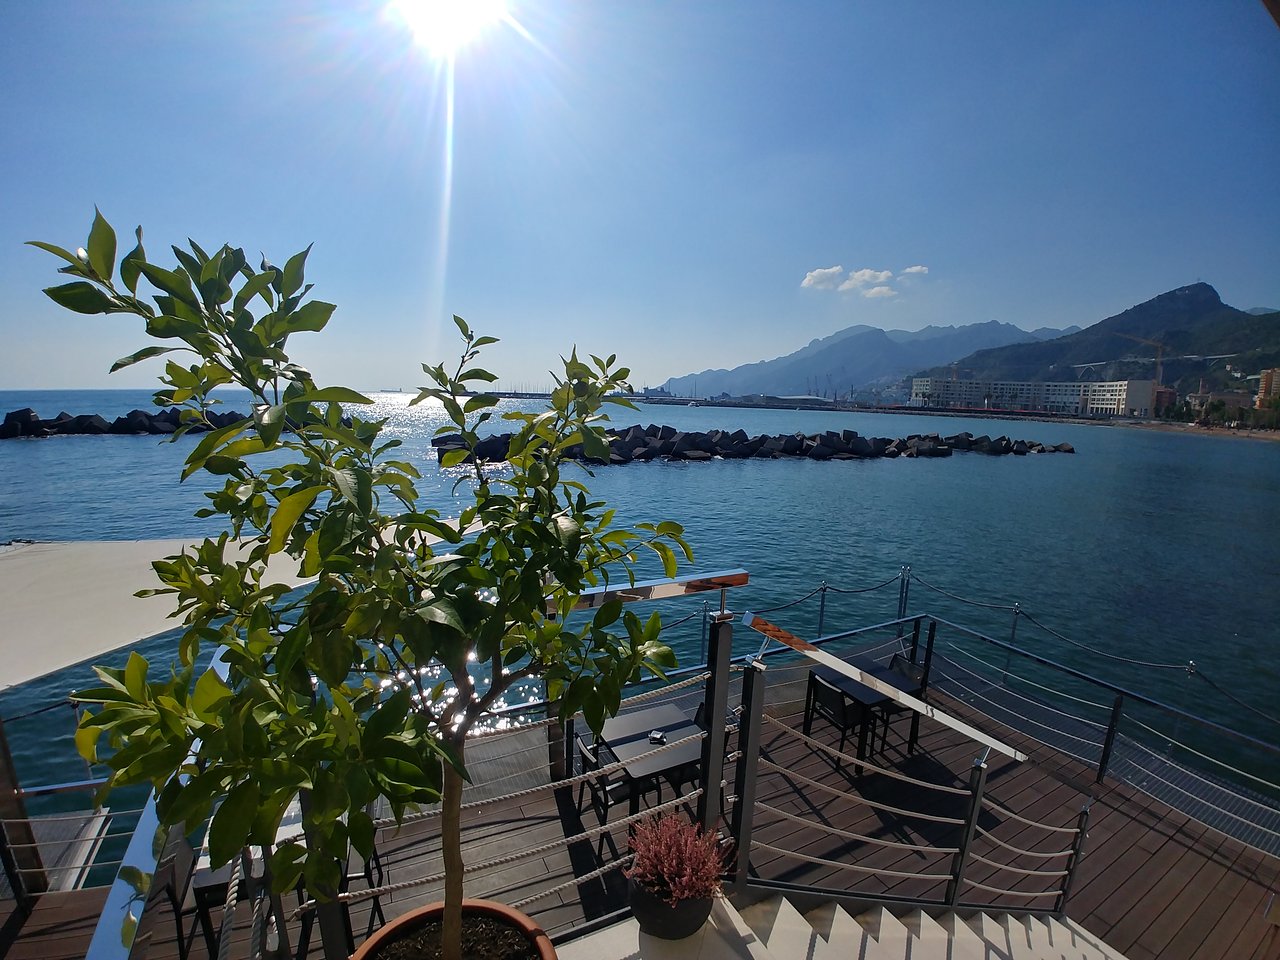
{"points": [[1206, 894]]}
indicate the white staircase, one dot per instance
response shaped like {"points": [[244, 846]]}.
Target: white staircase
{"points": [[773, 929], [829, 932]]}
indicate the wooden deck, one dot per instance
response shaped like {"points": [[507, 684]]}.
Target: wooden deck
{"points": [[1152, 883]]}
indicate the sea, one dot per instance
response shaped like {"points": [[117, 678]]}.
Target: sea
{"points": [[1149, 559]]}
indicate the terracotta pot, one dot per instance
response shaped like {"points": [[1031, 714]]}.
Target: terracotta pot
{"points": [[660, 919], [410, 921]]}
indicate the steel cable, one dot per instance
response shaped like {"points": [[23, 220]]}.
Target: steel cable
{"points": [[1102, 653], [975, 603]]}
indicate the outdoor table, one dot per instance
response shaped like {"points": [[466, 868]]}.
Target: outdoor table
{"points": [[864, 699], [627, 738]]}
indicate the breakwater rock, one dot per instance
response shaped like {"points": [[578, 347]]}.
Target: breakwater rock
{"points": [[26, 423], [629, 444]]}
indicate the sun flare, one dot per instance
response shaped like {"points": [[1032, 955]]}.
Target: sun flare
{"points": [[443, 27]]}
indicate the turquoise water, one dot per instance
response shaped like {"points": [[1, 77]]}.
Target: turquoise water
{"points": [[1151, 546]]}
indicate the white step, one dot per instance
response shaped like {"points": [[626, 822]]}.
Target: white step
{"points": [[889, 936], [843, 937], [1040, 941], [781, 928], [932, 940], [724, 937], [965, 943], [1086, 944], [995, 935]]}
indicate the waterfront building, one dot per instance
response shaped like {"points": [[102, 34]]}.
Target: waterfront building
{"points": [[1114, 398], [1268, 387]]}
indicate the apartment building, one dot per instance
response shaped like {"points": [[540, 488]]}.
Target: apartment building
{"points": [[1114, 398]]}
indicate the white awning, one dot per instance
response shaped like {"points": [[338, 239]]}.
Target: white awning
{"points": [[64, 603]]}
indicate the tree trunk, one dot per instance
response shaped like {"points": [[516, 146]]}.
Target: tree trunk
{"points": [[451, 848]]}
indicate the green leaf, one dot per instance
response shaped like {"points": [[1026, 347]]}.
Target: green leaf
{"points": [[294, 272], [229, 830], [131, 265], [332, 395], [102, 246], [310, 317], [286, 866], [287, 513], [135, 676], [256, 285], [270, 422], [146, 353], [454, 457], [607, 614], [82, 297], [484, 341], [66, 255], [462, 326], [476, 373], [210, 693], [442, 612], [172, 282]]}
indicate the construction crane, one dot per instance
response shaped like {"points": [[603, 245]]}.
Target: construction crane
{"points": [[1159, 354]]}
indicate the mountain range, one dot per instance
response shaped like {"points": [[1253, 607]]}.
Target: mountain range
{"points": [[1181, 326], [855, 357]]}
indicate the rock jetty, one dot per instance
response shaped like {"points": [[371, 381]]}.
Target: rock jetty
{"points": [[26, 423], [634, 443]]}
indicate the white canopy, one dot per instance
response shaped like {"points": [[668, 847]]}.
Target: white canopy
{"points": [[64, 603]]}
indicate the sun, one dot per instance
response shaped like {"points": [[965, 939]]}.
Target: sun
{"points": [[443, 27]]}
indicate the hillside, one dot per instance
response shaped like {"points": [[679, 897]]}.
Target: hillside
{"points": [[849, 359], [1191, 322]]}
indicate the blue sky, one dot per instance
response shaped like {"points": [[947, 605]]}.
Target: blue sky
{"points": [[652, 179]]}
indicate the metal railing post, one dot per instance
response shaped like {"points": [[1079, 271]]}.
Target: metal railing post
{"points": [[20, 855], [1109, 743], [745, 780], [1082, 831], [915, 641], [822, 607], [977, 783], [702, 650], [906, 591], [1013, 630], [716, 700]]}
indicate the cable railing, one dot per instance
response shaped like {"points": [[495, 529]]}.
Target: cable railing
{"points": [[936, 854], [499, 759]]}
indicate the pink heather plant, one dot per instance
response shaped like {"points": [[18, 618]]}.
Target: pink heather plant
{"points": [[675, 860]]}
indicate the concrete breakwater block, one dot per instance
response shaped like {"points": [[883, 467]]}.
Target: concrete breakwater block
{"points": [[653, 442], [27, 423]]}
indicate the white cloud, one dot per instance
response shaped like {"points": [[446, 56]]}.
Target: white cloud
{"points": [[919, 268], [880, 292], [859, 278], [824, 278]]}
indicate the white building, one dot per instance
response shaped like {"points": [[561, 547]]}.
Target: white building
{"points": [[1115, 398]]}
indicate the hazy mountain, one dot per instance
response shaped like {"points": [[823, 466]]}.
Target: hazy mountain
{"points": [[1191, 320], [1050, 333], [1259, 311], [850, 359]]}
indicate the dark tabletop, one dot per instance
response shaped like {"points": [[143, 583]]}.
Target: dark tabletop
{"points": [[862, 694], [627, 737]]}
